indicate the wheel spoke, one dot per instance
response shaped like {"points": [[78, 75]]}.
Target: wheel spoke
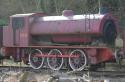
{"points": [[55, 63], [35, 62], [78, 64]]}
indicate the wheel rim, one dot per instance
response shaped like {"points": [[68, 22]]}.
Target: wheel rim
{"points": [[78, 64], [55, 63], [35, 62]]}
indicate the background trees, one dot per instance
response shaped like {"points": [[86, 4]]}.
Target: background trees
{"points": [[55, 7]]}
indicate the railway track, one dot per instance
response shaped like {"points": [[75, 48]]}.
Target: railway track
{"points": [[107, 74], [18, 68], [94, 74], [102, 73]]}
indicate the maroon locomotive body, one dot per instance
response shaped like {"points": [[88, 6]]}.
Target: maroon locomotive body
{"points": [[33, 37], [26, 29]]}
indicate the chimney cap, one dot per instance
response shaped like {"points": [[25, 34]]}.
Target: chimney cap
{"points": [[67, 13]]}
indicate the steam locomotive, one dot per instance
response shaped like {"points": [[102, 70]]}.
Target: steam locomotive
{"points": [[68, 39]]}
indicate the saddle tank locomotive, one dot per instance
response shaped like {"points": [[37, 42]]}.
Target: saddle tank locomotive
{"points": [[69, 38]]}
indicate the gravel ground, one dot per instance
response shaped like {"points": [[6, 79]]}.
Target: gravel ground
{"points": [[25, 77], [43, 76]]}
